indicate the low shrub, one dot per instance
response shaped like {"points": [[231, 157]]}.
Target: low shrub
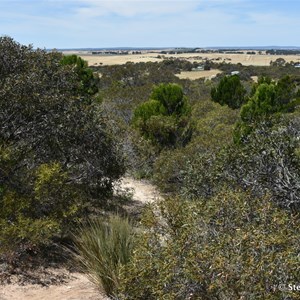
{"points": [[233, 246]]}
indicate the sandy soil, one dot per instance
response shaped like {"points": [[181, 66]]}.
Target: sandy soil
{"points": [[254, 78], [75, 286], [142, 190], [245, 59]]}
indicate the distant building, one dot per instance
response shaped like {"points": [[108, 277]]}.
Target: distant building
{"points": [[199, 68], [297, 66], [235, 73]]}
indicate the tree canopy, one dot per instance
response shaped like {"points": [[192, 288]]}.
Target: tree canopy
{"points": [[269, 99], [229, 91], [56, 155], [162, 119], [88, 80]]}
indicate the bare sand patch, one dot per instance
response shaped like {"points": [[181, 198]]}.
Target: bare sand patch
{"points": [[77, 287], [142, 190], [254, 78]]}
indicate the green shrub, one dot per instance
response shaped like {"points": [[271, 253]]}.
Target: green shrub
{"points": [[164, 118], [57, 157], [28, 221], [167, 172], [88, 80], [229, 92], [189, 170], [232, 246], [103, 249], [269, 100], [214, 125], [148, 109], [172, 98]]}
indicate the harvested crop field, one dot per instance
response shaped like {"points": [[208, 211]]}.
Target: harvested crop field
{"points": [[244, 59], [192, 75]]}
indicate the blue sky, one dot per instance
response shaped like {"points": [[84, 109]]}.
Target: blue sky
{"points": [[156, 23]]}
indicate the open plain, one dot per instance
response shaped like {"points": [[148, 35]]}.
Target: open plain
{"points": [[245, 59]]}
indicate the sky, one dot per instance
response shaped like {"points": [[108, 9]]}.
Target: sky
{"points": [[65, 24]]}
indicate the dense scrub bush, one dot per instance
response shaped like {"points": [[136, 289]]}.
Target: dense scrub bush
{"points": [[56, 155], [202, 176], [140, 155], [179, 170], [275, 72], [269, 161], [214, 125], [167, 170], [231, 246]]}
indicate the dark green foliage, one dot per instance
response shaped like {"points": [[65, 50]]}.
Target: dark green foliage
{"points": [[56, 156], [261, 105], [229, 92], [231, 246], [164, 118], [89, 80], [172, 99], [269, 99], [148, 109], [286, 94], [261, 80]]}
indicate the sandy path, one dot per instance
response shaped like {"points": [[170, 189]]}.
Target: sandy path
{"points": [[142, 190], [77, 286]]}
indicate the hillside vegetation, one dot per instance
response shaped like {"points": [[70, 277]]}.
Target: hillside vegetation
{"points": [[225, 152]]}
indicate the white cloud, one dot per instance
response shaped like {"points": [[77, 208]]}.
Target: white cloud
{"points": [[134, 8], [103, 23]]}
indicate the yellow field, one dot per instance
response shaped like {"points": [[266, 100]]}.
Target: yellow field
{"points": [[192, 75], [245, 59]]}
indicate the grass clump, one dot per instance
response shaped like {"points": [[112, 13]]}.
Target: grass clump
{"points": [[103, 248]]}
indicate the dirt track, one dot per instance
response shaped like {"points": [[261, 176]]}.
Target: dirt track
{"points": [[76, 286]]}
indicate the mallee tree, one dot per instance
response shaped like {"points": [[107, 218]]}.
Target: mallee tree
{"points": [[56, 155]]}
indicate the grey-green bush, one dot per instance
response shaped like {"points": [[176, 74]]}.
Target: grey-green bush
{"points": [[232, 246]]}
